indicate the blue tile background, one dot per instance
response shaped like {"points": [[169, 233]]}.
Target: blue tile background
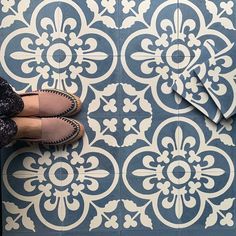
{"points": [[124, 77]]}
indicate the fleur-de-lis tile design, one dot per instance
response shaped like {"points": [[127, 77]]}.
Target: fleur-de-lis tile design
{"points": [[152, 74], [217, 75]]}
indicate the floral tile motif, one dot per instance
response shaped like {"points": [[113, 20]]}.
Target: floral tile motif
{"points": [[219, 210], [172, 181], [158, 74], [60, 36], [99, 203], [149, 164], [83, 75], [110, 128], [97, 26], [217, 75], [156, 33], [208, 23], [21, 216], [193, 91], [49, 186]]}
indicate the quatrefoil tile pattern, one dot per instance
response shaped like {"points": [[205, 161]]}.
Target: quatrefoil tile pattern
{"points": [[151, 162]]}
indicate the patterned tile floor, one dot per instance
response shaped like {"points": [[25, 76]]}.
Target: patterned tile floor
{"points": [[149, 164]]}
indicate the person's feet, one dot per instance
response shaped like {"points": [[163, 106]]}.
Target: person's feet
{"points": [[28, 127], [50, 103], [52, 131], [31, 105]]}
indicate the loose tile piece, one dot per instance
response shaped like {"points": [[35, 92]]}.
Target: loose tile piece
{"points": [[149, 163], [193, 91], [218, 75]]}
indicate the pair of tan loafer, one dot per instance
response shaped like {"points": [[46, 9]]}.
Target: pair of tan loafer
{"points": [[55, 106]]}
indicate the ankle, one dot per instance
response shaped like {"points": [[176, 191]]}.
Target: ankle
{"points": [[31, 106], [28, 127]]}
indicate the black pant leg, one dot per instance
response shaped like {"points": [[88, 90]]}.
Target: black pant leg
{"points": [[10, 102], [8, 130]]}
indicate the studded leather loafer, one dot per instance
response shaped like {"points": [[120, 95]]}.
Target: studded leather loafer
{"points": [[57, 131], [52, 103]]}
